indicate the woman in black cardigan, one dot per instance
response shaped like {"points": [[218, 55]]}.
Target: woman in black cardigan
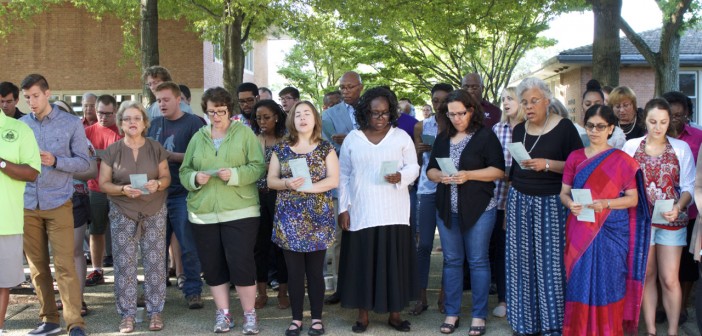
{"points": [[465, 204]]}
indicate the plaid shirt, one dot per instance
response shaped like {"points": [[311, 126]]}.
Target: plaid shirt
{"points": [[504, 133]]}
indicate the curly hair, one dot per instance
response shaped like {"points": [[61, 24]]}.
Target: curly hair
{"points": [[219, 97], [277, 111], [363, 109], [465, 98]]}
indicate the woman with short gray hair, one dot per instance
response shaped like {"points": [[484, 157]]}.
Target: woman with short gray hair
{"points": [[535, 217]]}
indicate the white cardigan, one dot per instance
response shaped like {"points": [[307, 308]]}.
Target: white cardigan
{"points": [[685, 159]]}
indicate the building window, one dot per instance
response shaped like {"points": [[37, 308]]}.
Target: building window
{"points": [[217, 53], [688, 86], [248, 61]]}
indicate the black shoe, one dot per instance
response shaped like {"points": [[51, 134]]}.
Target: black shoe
{"points": [[295, 331], [107, 261], [403, 326], [333, 299], [359, 327]]}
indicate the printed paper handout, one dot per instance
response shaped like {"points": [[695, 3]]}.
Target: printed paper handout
{"points": [[138, 181], [584, 198], [299, 168], [519, 153]]}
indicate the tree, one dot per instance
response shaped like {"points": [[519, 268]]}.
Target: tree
{"points": [[414, 44], [606, 52], [677, 16], [149, 40]]}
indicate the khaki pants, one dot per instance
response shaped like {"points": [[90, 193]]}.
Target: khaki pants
{"points": [[54, 226]]}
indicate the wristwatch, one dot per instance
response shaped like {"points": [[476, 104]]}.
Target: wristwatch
{"points": [[3, 164], [547, 165]]}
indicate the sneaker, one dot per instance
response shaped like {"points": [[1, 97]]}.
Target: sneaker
{"points": [[181, 281], [77, 331], [223, 322], [95, 278], [250, 326], [194, 301], [46, 329], [107, 261]]}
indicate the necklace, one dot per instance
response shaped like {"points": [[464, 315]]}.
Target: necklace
{"points": [[526, 129], [633, 125]]}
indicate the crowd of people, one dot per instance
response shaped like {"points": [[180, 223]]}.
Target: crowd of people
{"points": [[580, 224]]}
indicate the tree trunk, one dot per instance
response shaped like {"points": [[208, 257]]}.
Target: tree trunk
{"points": [[149, 40], [233, 54], [606, 52], [667, 69]]}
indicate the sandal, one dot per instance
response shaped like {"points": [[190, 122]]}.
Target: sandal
{"points": [[479, 329], [316, 332], [403, 326], [359, 327], [418, 309], [293, 332], [261, 301], [156, 323], [127, 325], [448, 328], [83, 309]]}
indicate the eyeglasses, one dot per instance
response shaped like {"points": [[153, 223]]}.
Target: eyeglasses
{"points": [[377, 115], [622, 106], [249, 101], [287, 98], [105, 114], [218, 112], [533, 102], [130, 119], [347, 87], [591, 127], [452, 115]]}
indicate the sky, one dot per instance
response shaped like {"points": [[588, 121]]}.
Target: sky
{"points": [[575, 29]]}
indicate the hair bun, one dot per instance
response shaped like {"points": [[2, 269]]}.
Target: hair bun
{"points": [[593, 85]]}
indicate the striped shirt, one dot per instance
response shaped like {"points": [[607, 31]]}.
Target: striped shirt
{"points": [[504, 133]]}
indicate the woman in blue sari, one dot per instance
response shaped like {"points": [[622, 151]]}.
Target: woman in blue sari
{"points": [[605, 260]]}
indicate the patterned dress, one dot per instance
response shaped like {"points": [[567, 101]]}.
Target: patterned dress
{"points": [[304, 222]]}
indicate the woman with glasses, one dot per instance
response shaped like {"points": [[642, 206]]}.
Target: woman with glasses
{"points": [[378, 162], [605, 255], [669, 174], [137, 214], [220, 169], [535, 215], [304, 214], [268, 123], [623, 101], [465, 204]]}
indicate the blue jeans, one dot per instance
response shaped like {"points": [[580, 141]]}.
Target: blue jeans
{"points": [[472, 246], [178, 223], [426, 225]]}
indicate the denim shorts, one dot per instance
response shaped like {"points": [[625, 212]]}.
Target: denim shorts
{"points": [[668, 237]]}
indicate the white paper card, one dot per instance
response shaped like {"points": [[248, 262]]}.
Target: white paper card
{"points": [[659, 208], [138, 181], [519, 153], [211, 172], [299, 168], [387, 168], [584, 198], [447, 166]]}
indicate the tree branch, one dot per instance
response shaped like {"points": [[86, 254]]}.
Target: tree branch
{"points": [[638, 42], [207, 10]]}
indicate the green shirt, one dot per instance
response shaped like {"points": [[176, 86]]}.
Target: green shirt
{"points": [[17, 145]]}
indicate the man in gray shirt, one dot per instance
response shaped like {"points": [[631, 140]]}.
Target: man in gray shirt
{"points": [[48, 210]]}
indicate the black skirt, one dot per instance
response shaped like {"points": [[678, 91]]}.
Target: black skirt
{"points": [[377, 267]]}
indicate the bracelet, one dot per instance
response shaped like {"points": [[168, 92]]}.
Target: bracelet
{"points": [[122, 190], [608, 205], [286, 185]]}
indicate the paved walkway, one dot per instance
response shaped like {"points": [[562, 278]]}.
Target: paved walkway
{"points": [[23, 315]]}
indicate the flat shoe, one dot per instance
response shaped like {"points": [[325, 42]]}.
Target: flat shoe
{"points": [[359, 327], [403, 326], [316, 332], [500, 311], [479, 329], [450, 328], [293, 332]]}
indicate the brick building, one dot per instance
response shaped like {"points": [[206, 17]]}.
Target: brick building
{"points": [[568, 72], [78, 52]]}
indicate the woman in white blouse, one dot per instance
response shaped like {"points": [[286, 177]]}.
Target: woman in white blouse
{"points": [[669, 173], [378, 162]]}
